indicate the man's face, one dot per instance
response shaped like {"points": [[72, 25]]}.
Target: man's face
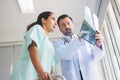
{"points": [[66, 26]]}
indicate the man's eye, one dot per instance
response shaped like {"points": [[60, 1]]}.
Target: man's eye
{"points": [[68, 23], [63, 25]]}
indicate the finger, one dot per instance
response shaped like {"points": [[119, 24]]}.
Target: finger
{"points": [[98, 35], [98, 38], [98, 32], [45, 76], [49, 77], [99, 41], [40, 78]]}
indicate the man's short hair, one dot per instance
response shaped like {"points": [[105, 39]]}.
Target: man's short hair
{"points": [[62, 17]]}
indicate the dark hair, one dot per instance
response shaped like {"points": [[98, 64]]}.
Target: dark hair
{"points": [[62, 17], [44, 15]]}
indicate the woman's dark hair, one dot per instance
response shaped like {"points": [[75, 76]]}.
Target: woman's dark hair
{"points": [[62, 17], [44, 15]]}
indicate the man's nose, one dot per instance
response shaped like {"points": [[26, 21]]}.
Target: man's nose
{"points": [[66, 26]]}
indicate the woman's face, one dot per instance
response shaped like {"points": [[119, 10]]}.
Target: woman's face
{"points": [[50, 24]]}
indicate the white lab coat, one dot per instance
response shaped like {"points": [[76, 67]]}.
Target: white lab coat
{"points": [[87, 56]]}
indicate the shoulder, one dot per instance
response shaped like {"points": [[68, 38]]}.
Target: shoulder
{"points": [[58, 41], [36, 29], [36, 32]]}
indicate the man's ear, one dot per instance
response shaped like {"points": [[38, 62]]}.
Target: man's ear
{"points": [[60, 29]]}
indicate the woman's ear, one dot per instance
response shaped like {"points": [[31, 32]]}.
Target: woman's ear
{"points": [[43, 20]]}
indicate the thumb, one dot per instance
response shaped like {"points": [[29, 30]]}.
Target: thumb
{"points": [[49, 76]]}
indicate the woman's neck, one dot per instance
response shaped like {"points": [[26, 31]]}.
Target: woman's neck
{"points": [[46, 31]]}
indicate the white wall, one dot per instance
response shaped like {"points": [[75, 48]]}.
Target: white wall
{"points": [[13, 23], [9, 54], [5, 62]]}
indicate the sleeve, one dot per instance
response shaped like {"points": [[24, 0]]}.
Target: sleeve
{"points": [[97, 53], [54, 63], [65, 52], [34, 34]]}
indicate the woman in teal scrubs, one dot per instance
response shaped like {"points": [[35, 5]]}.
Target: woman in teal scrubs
{"points": [[37, 59]]}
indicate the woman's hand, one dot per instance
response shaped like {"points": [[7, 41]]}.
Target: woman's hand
{"points": [[44, 76]]}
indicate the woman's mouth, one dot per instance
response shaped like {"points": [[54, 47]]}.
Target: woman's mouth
{"points": [[54, 27]]}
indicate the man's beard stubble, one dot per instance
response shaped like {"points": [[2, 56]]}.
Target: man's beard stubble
{"points": [[69, 32]]}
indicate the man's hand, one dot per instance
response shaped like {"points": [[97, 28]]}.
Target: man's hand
{"points": [[99, 39]]}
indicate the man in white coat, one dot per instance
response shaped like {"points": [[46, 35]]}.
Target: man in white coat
{"points": [[76, 55]]}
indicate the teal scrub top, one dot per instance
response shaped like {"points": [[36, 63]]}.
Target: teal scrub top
{"points": [[24, 69]]}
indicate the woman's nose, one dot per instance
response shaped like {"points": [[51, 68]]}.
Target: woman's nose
{"points": [[55, 22]]}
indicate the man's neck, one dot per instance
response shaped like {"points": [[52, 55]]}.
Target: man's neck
{"points": [[70, 35]]}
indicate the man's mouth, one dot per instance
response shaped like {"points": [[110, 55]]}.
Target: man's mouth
{"points": [[68, 29]]}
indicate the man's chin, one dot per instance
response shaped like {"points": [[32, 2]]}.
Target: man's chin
{"points": [[69, 34]]}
